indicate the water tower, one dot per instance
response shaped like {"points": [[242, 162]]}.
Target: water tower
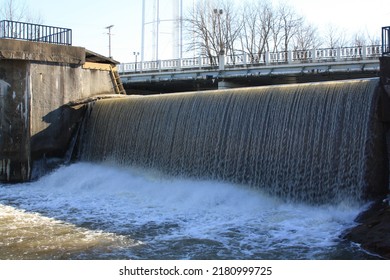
{"points": [[162, 29]]}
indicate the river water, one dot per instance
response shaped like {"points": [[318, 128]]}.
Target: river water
{"points": [[98, 211]]}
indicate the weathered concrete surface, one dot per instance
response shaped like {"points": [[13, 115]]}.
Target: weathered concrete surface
{"points": [[43, 52], [14, 121], [53, 86], [36, 81]]}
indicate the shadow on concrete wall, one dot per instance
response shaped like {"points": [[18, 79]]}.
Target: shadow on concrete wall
{"points": [[49, 147]]}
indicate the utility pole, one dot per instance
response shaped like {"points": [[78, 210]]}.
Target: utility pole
{"points": [[109, 40]]}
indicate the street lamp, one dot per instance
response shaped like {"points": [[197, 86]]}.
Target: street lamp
{"points": [[218, 13], [221, 55], [136, 54]]}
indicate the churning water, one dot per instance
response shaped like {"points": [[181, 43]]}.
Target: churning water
{"points": [[90, 211], [262, 173]]}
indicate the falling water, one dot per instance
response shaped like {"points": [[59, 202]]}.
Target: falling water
{"points": [[305, 142]]}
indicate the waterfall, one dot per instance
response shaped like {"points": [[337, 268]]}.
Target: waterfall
{"points": [[303, 142]]}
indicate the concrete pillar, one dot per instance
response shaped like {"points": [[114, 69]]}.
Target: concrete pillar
{"points": [[245, 59], [221, 61], [314, 54], [289, 56], [364, 52], [267, 57], [338, 57]]}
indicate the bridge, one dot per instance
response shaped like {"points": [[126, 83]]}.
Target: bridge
{"points": [[227, 71]]}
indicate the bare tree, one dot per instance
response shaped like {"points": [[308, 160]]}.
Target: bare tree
{"points": [[334, 37], [15, 10], [231, 28], [290, 22], [257, 27], [373, 39], [276, 31], [257, 23], [248, 32], [197, 25], [214, 28], [305, 40]]}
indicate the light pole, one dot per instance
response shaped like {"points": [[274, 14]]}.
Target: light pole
{"points": [[109, 40], [136, 54], [218, 13], [221, 55]]}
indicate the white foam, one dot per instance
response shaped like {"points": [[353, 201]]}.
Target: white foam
{"points": [[155, 210]]}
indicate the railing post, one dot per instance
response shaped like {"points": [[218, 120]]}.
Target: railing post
{"points": [[364, 52], [267, 58], [289, 57], [314, 54], [180, 64], [221, 61], [338, 54]]}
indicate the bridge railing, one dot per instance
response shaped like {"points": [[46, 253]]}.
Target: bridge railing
{"points": [[35, 32], [241, 60]]}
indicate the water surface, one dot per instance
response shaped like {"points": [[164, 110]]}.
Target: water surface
{"points": [[98, 211]]}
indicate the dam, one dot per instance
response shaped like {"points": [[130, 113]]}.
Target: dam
{"points": [[291, 141], [275, 172]]}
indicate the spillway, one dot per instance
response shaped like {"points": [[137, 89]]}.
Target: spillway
{"points": [[316, 143]]}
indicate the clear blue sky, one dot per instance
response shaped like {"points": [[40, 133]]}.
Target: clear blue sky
{"points": [[88, 19]]}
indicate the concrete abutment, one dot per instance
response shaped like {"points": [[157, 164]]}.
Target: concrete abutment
{"points": [[37, 80]]}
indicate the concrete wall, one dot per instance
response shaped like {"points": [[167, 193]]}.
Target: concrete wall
{"points": [[37, 80], [52, 86], [14, 120], [385, 110]]}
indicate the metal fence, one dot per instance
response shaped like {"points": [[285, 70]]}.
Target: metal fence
{"points": [[35, 32], [386, 41]]}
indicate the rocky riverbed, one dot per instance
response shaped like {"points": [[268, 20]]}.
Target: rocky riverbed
{"points": [[373, 231]]}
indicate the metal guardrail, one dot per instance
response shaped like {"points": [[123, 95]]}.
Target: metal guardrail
{"points": [[35, 32], [386, 41], [324, 55]]}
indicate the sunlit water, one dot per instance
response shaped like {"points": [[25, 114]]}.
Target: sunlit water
{"points": [[89, 211]]}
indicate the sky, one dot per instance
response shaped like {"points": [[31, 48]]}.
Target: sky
{"points": [[88, 20]]}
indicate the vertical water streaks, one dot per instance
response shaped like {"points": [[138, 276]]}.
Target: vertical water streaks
{"points": [[306, 142]]}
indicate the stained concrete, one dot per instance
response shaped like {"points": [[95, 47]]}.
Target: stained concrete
{"points": [[14, 120], [37, 80], [43, 52]]}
